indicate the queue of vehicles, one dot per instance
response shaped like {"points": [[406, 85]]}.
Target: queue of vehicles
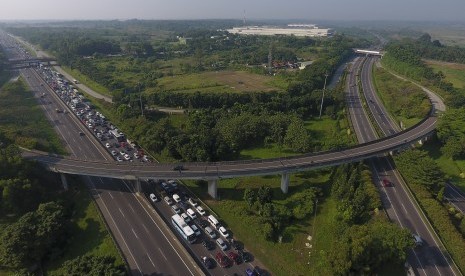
{"points": [[197, 227], [122, 149]]}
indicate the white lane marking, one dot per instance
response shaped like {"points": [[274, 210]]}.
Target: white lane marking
{"points": [[159, 249], [145, 227], [177, 253], [405, 209], [116, 226], [134, 232], [111, 195], [150, 259], [121, 212], [132, 209]]}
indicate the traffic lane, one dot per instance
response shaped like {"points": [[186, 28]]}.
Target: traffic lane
{"points": [[151, 241], [198, 250], [455, 197], [432, 258]]}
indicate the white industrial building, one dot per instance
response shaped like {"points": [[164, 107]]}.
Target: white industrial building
{"points": [[291, 29]]}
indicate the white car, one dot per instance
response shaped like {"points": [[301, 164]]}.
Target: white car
{"points": [[108, 145], [200, 210], [222, 244], [119, 159], [153, 198], [168, 200], [127, 157], [177, 198], [186, 218], [191, 213], [223, 232], [114, 153], [196, 230], [193, 202]]}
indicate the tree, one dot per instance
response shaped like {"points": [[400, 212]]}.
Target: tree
{"points": [[297, 137], [264, 195], [249, 197], [92, 265]]}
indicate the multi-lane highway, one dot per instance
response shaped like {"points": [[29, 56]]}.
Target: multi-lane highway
{"points": [[428, 259]]}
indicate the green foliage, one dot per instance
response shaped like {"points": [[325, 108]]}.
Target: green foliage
{"points": [[27, 241], [92, 265], [249, 197], [362, 249], [302, 204], [356, 195], [297, 137], [419, 168]]}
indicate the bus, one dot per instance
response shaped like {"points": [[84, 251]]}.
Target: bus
{"points": [[184, 230]]}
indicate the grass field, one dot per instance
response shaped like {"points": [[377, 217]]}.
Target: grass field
{"points": [[221, 81], [88, 232], [23, 122], [290, 257], [87, 81], [454, 72]]}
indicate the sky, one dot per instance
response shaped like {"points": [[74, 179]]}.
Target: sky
{"points": [[405, 10]]}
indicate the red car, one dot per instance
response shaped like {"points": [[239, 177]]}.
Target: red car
{"points": [[386, 183], [222, 259], [235, 257]]}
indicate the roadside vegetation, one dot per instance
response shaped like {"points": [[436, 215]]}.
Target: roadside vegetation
{"points": [[23, 122], [424, 175], [406, 102]]}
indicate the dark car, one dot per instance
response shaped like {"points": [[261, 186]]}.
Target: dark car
{"points": [[203, 223], [208, 262], [245, 256], [209, 245], [178, 168], [222, 259], [235, 257], [236, 245]]}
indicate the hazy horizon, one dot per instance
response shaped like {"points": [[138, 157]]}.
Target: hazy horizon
{"points": [[337, 10]]}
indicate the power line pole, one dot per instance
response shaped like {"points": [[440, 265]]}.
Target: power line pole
{"points": [[323, 95]]}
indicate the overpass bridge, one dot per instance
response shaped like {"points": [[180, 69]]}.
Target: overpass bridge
{"points": [[214, 171], [14, 64], [368, 52]]}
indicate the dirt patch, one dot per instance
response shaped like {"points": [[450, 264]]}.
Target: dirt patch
{"points": [[242, 81], [451, 65]]}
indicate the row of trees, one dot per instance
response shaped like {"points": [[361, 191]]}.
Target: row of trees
{"points": [[427, 184], [40, 219], [451, 133], [364, 241]]}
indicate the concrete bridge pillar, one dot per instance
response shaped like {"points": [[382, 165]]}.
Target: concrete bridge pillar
{"points": [[285, 182], [64, 182], [420, 142], [213, 188], [138, 187]]}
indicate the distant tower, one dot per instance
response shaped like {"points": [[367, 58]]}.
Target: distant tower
{"points": [[243, 20]]}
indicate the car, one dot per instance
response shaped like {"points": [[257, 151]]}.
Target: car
{"points": [[246, 257], [81, 133], [178, 168], [196, 230], [236, 258], [168, 200], [209, 232], [176, 209], [108, 145], [222, 244], [119, 159], [209, 263], [176, 198], [386, 183], [418, 240], [223, 232], [154, 198], [193, 202], [236, 245], [136, 155], [186, 218], [183, 205], [114, 153], [200, 210], [222, 259], [209, 245], [203, 223], [127, 157], [191, 213], [249, 272]]}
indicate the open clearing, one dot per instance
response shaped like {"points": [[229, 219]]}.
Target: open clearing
{"points": [[221, 81], [454, 72]]}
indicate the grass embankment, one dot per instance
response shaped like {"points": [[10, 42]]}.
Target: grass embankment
{"points": [[23, 122], [87, 230], [454, 72], [87, 81], [406, 102], [291, 257]]}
